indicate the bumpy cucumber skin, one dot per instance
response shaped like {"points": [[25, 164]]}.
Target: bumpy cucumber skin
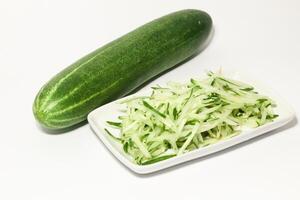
{"points": [[119, 67]]}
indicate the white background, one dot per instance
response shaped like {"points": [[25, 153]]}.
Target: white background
{"points": [[38, 38]]}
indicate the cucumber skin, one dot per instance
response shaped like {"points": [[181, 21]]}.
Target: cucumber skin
{"points": [[117, 68]]}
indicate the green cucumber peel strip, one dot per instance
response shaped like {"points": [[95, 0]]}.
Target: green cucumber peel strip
{"points": [[158, 159], [115, 124]]}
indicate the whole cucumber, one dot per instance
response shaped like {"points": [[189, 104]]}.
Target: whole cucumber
{"points": [[122, 65]]}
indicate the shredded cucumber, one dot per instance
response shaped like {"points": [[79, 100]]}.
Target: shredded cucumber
{"points": [[179, 118]]}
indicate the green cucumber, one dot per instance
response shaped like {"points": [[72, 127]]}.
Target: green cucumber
{"points": [[122, 65]]}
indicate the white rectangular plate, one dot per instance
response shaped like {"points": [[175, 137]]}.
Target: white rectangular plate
{"points": [[109, 112]]}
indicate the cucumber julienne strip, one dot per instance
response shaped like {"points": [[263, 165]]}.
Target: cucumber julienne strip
{"points": [[158, 159], [111, 135], [179, 118], [147, 105], [116, 124]]}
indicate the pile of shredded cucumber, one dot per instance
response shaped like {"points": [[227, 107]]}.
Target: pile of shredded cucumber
{"points": [[179, 118]]}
